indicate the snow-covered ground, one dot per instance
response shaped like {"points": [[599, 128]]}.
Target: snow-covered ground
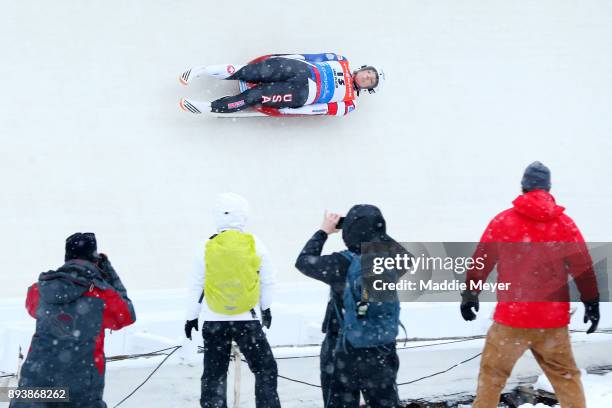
{"points": [[92, 139], [598, 390]]}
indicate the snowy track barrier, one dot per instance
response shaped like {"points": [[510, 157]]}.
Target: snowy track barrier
{"points": [[236, 356], [149, 376], [440, 372]]}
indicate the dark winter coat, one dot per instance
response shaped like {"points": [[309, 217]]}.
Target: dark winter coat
{"points": [[330, 269], [363, 223], [72, 307], [538, 275]]}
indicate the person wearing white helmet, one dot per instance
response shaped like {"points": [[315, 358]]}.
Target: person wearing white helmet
{"points": [[284, 84], [232, 280]]}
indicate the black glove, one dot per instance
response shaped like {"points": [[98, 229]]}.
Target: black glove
{"points": [[110, 275], [469, 300], [266, 318], [105, 266], [591, 312], [189, 326]]}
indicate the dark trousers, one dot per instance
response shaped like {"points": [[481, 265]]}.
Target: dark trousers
{"points": [[281, 83], [371, 371], [326, 363], [74, 403], [84, 382], [254, 346], [71, 404]]}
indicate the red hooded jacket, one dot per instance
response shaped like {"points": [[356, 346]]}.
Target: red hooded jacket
{"points": [[538, 273]]}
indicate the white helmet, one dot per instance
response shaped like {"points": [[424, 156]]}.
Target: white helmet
{"points": [[380, 76], [231, 211]]}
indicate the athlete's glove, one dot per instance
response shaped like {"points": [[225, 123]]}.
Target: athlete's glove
{"points": [[318, 109], [287, 111], [266, 318], [591, 312], [189, 326], [469, 300]]}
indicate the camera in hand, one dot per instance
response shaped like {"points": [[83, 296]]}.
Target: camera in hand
{"points": [[340, 223]]}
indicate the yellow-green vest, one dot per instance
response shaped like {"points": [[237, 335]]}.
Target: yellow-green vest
{"points": [[232, 273]]}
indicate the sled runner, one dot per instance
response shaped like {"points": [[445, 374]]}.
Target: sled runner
{"points": [[199, 107]]}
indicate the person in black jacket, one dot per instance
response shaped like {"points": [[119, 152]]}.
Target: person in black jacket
{"points": [[330, 269], [363, 223]]}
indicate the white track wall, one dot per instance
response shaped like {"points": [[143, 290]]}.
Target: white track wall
{"points": [[92, 138]]}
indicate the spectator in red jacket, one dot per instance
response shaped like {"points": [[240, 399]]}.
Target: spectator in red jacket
{"points": [[72, 307], [535, 247]]}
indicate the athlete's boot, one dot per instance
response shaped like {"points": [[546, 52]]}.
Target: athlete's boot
{"points": [[222, 71]]}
